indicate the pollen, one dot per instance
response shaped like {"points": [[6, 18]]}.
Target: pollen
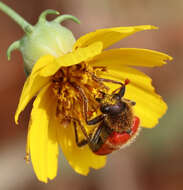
{"points": [[69, 85], [27, 158]]}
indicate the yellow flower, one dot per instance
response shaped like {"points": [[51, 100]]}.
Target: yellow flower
{"points": [[63, 72], [57, 100]]}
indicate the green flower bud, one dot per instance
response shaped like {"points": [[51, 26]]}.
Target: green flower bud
{"points": [[46, 37]]}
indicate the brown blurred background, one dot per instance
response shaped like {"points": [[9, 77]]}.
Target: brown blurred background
{"points": [[155, 161]]}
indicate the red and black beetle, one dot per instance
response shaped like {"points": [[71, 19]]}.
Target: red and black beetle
{"points": [[116, 126]]}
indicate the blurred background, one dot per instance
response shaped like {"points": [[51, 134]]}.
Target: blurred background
{"points": [[155, 160]]}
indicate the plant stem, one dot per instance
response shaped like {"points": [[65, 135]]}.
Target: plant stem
{"points": [[28, 28]]}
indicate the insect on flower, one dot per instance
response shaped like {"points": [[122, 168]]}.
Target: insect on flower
{"points": [[78, 99], [117, 125]]}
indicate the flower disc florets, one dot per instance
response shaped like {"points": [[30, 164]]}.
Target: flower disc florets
{"points": [[65, 86]]}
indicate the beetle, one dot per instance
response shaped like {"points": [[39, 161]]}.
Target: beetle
{"points": [[117, 126]]}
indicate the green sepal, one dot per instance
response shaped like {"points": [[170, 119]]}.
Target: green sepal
{"points": [[15, 45], [62, 18], [42, 17]]}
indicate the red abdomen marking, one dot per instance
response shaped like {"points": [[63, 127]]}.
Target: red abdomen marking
{"points": [[116, 140], [135, 126]]}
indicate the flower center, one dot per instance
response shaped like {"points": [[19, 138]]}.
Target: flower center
{"points": [[72, 85]]}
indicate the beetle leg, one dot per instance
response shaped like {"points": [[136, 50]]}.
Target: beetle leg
{"points": [[85, 110], [85, 107], [95, 120], [96, 135], [117, 89], [132, 103], [94, 139], [82, 142], [84, 98], [121, 89], [81, 126], [106, 80], [111, 81]]}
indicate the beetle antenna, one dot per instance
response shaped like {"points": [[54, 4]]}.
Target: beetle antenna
{"points": [[127, 81], [123, 88]]}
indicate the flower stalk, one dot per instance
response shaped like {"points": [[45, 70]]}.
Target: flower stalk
{"points": [[27, 28]]}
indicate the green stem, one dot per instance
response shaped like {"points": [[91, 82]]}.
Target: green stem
{"points": [[28, 28]]}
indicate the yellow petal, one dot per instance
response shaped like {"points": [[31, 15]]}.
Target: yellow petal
{"points": [[110, 36], [149, 106], [42, 62], [33, 84], [131, 56], [80, 159], [75, 57], [42, 136]]}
